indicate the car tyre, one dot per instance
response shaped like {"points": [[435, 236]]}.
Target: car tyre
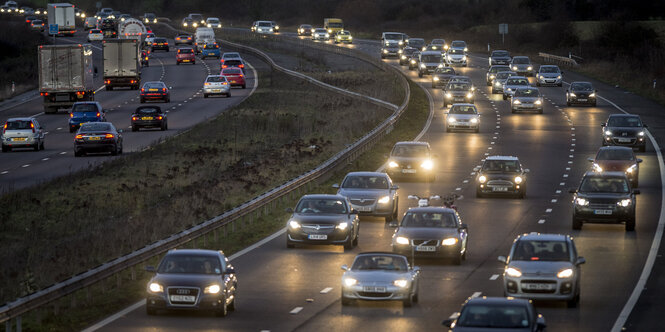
{"points": [[642, 148], [115, 151], [224, 310], [5, 148], [244, 86], [36, 146], [560, 84], [78, 153], [572, 303], [594, 104], [41, 145], [457, 260], [228, 95], [205, 95], [479, 194], [135, 128], [420, 74], [348, 245], [408, 302], [346, 301], [232, 305], [630, 224], [577, 223], [567, 103], [505, 97], [71, 130], [142, 101]]}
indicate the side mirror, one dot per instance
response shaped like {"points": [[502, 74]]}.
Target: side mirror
{"points": [[561, 73], [590, 160], [120, 131], [580, 260], [345, 267], [572, 190], [639, 160], [502, 259], [448, 322], [636, 191], [336, 185], [150, 268], [288, 210], [416, 269], [230, 270], [527, 170], [354, 211], [645, 126], [464, 226], [170, 87], [540, 323], [394, 187], [602, 124]]}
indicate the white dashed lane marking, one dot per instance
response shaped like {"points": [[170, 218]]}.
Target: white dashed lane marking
{"points": [[295, 310], [326, 290], [494, 277]]}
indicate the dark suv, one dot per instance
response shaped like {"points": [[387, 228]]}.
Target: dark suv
{"points": [[501, 175], [625, 130], [604, 198]]}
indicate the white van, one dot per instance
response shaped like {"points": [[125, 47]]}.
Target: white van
{"points": [[203, 36]]}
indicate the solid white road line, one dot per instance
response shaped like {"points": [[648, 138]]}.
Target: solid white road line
{"points": [[115, 316]]}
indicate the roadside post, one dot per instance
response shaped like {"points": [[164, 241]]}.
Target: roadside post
{"points": [[503, 30]]}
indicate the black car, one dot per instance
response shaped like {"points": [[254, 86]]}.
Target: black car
{"points": [[496, 313], [323, 219], [499, 57], [305, 30], [405, 55], [491, 73], [97, 137], [417, 43], [581, 93], [149, 117], [436, 232], [411, 159], [501, 175], [413, 60], [625, 130], [192, 279], [441, 76], [605, 197], [159, 44]]}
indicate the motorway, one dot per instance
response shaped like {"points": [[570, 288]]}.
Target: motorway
{"points": [[298, 289], [23, 167]]}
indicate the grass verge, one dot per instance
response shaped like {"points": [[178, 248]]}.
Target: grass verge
{"points": [[82, 308]]}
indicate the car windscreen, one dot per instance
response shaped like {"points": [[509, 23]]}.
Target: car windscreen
{"points": [[548, 69], [393, 36], [463, 109], [602, 184], [517, 81], [448, 71], [213, 20], [500, 54], [428, 219], [153, 86], [320, 30], [456, 51], [84, 108], [417, 43], [231, 71], [583, 86], [624, 121], [438, 42], [265, 24], [231, 56], [496, 69], [615, 154], [93, 127], [18, 125], [321, 205], [149, 111], [458, 44], [216, 79], [410, 151], [537, 250], [379, 262], [409, 51], [335, 25], [521, 61], [365, 182], [160, 40], [527, 93], [190, 264], [458, 87], [305, 26], [430, 58], [509, 166], [494, 316], [211, 46], [504, 75]]}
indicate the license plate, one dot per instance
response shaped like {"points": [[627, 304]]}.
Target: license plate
{"points": [[582, 99], [623, 140], [216, 90], [374, 289], [538, 286], [426, 248], [408, 171], [19, 139], [499, 188], [603, 212], [182, 298], [233, 81], [317, 237], [151, 90], [146, 118], [363, 208]]}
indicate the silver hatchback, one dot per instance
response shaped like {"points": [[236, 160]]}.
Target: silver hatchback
{"points": [[216, 85], [22, 133], [371, 194], [543, 267]]}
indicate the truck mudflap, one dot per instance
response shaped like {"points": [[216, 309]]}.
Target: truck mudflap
{"points": [[112, 82]]}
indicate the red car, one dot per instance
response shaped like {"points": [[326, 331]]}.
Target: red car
{"points": [[185, 55], [155, 91], [235, 76]]}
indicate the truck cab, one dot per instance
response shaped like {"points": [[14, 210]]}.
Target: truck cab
{"points": [[333, 25]]}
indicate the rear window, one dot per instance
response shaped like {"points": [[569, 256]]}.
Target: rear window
{"points": [[151, 110], [84, 108], [211, 46], [233, 62], [160, 40], [18, 125], [185, 51], [231, 71], [92, 127], [83, 114], [216, 79], [153, 86], [95, 31]]}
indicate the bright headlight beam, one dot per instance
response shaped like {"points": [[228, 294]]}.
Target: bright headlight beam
{"points": [[401, 240], [565, 273], [350, 282], [427, 164], [342, 226], [384, 200], [449, 241], [212, 289], [156, 288], [294, 224], [400, 283], [513, 272]]}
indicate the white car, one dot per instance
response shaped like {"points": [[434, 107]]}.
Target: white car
{"points": [[320, 34], [216, 85], [456, 57], [95, 34], [149, 38], [90, 23], [263, 27], [213, 22]]}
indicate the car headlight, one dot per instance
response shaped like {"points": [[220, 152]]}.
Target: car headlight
{"points": [[342, 226], [625, 202], [435, 78], [156, 288], [294, 224], [401, 240], [518, 179], [423, 66], [184, 24], [538, 102], [466, 49], [400, 51], [413, 62], [393, 164], [573, 95], [154, 21], [348, 282], [327, 35], [513, 272], [209, 26], [400, 43], [491, 77], [402, 283], [449, 95], [403, 57], [599, 169], [464, 58], [482, 179], [593, 95], [641, 133], [517, 102], [212, 289], [608, 133], [451, 120], [497, 83], [581, 201], [445, 47], [195, 25], [440, 65], [451, 241], [385, 51], [427, 164], [558, 77], [469, 95], [529, 68], [329, 30], [515, 68], [565, 273], [384, 200], [474, 120], [276, 27], [632, 168], [387, 44]]}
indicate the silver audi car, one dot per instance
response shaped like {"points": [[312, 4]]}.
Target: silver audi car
{"points": [[543, 267], [380, 276], [371, 194]]}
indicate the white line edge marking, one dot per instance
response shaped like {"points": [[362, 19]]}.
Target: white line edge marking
{"points": [[541, 221], [115, 316], [296, 310]]}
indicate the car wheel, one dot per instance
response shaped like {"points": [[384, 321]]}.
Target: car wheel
{"points": [[232, 305], [408, 302], [642, 148], [115, 151], [168, 100], [636, 182], [5, 148], [420, 74], [560, 84], [494, 91], [577, 223], [71, 130], [150, 311], [355, 239], [512, 110], [41, 146], [36, 146], [228, 95], [594, 104], [163, 127], [244, 86], [522, 194], [346, 301], [224, 310], [568, 103], [142, 101], [177, 63], [78, 153], [479, 194], [572, 303], [457, 260], [348, 245], [630, 224], [109, 88], [205, 95], [135, 128]]}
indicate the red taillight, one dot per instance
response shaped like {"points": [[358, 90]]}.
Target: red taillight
{"points": [[44, 93], [225, 66], [79, 136], [109, 136], [71, 115], [240, 75], [134, 118], [163, 89], [32, 126], [4, 128], [142, 90], [98, 115], [80, 93], [107, 82], [159, 117], [222, 61]]}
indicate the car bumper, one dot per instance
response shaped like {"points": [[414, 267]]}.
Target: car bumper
{"points": [[236, 82], [147, 123], [204, 302], [390, 52], [331, 237], [457, 62], [29, 141], [155, 96], [549, 81], [500, 189], [540, 288], [374, 210], [391, 293], [210, 54], [440, 251], [157, 47], [408, 172], [186, 60], [459, 99], [95, 147], [593, 215], [527, 107], [625, 141], [217, 90], [580, 100], [462, 125]]}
